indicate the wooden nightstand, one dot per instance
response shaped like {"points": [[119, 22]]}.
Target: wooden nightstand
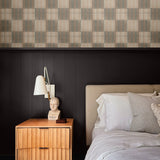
{"points": [[41, 139]]}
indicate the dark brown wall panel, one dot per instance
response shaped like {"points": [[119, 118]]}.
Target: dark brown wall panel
{"points": [[71, 71]]}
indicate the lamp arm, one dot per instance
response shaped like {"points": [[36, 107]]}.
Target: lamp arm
{"points": [[46, 75], [49, 98]]}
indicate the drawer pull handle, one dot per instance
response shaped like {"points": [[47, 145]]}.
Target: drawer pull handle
{"points": [[43, 147], [43, 128]]}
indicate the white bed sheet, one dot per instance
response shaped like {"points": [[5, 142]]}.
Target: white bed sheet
{"points": [[97, 131], [123, 145]]}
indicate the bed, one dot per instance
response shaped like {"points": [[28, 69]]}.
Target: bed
{"points": [[118, 144]]}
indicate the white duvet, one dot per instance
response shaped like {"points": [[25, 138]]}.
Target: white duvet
{"points": [[123, 145]]}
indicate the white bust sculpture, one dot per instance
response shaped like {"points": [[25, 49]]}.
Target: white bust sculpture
{"points": [[54, 113]]}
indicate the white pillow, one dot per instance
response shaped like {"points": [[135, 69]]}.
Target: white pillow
{"points": [[101, 110], [118, 113], [100, 122], [143, 117], [156, 111]]}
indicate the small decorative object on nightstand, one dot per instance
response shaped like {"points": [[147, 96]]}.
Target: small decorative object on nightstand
{"points": [[54, 113], [41, 139]]}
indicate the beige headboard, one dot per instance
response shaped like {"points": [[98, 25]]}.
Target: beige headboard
{"points": [[94, 91]]}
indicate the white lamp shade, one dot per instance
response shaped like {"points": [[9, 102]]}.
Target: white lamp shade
{"points": [[40, 87]]}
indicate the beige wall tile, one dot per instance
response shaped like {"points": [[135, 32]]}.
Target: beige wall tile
{"points": [[144, 14], [121, 14], [17, 3], [75, 14], [155, 25], [155, 3], [63, 45], [86, 45], [98, 37], [29, 37], [109, 25], [63, 25], [132, 3], [40, 25], [40, 3], [154, 45], [109, 4], [132, 25], [6, 37], [63, 3], [121, 37], [28, 14], [98, 14], [86, 25], [110, 45], [17, 45], [5, 14], [75, 37], [52, 14], [17, 25], [52, 37], [86, 4], [144, 37], [132, 45], [40, 45]]}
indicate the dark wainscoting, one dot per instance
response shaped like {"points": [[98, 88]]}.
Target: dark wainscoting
{"points": [[71, 70]]}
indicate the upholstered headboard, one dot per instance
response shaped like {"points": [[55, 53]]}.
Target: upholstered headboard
{"points": [[94, 91]]}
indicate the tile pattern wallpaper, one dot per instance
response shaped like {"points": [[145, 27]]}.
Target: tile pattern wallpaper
{"points": [[79, 23]]}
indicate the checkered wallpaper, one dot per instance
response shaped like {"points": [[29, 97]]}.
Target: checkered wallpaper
{"points": [[79, 23]]}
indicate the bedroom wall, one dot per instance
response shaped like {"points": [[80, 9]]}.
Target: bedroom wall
{"points": [[79, 23], [71, 71]]}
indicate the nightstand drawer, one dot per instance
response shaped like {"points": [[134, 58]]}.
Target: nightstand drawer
{"points": [[43, 138], [43, 154]]}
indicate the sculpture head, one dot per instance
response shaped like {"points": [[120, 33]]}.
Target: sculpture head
{"points": [[54, 103]]}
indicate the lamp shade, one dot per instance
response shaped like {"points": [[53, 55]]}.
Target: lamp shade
{"points": [[40, 87]]}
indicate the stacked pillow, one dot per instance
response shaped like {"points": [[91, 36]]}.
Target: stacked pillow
{"points": [[127, 111], [143, 117], [111, 111], [156, 111]]}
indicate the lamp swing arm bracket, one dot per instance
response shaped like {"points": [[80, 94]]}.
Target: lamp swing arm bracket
{"points": [[46, 77]]}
